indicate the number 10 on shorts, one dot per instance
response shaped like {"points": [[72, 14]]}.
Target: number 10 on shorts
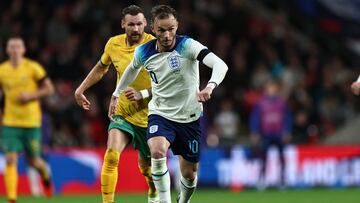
{"points": [[193, 146]]}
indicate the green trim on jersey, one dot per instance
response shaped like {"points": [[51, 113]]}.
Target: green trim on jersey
{"points": [[137, 135]]}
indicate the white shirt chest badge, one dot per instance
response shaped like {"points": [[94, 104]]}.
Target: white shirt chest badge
{"points": [[174, 63]]}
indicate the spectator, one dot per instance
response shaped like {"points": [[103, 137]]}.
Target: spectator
{"points": [[270, 125], [227, 123]]}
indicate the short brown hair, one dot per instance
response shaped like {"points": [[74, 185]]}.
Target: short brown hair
{"points": [[131, 10], [163, 11]]}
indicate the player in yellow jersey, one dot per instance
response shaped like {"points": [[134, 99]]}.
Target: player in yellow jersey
{"points": [[23, 82], [130, 121]]}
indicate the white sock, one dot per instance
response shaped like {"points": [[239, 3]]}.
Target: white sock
{"points": [[161, 177], [187, 189]]}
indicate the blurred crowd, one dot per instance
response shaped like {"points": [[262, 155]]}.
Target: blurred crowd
{"points": [[67, 37]]}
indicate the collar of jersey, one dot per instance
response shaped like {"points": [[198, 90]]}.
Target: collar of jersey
{"points": [[178, 39]]}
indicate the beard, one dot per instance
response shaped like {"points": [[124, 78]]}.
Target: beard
{"points": [[134, 38], [167, 43]]}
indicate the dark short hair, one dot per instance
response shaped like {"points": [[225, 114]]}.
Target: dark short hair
{"points": [[131, 10], [163, 11], [15, 37]]}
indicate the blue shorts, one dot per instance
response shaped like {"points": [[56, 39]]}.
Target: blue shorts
{"points": [[184, 138]]}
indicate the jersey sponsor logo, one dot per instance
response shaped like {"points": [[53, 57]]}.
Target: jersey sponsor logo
{"points": [[174, 63], [153, 128]]}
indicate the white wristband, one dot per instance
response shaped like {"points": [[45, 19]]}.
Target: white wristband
{"points": [[144, 93], [358, 80]]}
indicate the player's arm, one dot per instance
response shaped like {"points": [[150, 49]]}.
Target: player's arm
{"points": [[1, 92], [95, 75], [46, 88], [355, 86], [133, 95], [129, 75], [219, 69]]}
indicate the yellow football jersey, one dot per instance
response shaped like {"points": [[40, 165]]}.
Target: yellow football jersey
{"points": [[120, 55], [15, 81]]}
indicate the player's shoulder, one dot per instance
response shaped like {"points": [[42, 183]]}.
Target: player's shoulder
{"points": [[187, 46], [3, 68], [146, 50], [31, 62], [148, 37], [147, 46], [181, 42], [118, 40], [182, 38], [4, 64]]}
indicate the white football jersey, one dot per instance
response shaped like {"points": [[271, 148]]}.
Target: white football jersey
{"points": [[175, 78]]}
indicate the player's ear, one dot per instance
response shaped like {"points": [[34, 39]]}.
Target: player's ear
{"points": [[177, 24], [145, 22], [152, 27], [122, 24], [23, 47]]}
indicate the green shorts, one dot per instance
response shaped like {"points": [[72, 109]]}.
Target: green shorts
{"points": [[137, 135], [15, 139]]}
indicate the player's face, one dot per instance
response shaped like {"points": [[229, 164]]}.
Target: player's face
{"points": [[165, 32], [134, 27], [15, 48]]}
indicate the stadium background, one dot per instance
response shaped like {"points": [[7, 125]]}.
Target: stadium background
{"points": [[311, 46]]}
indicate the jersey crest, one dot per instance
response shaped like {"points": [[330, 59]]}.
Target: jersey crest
{"points": [[174, 63], [153, 128]]}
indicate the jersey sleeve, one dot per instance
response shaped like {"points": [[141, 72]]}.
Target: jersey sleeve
{"points": [[105, 57], [137, 61], [1, 76], [193, 48], [39, 72]]}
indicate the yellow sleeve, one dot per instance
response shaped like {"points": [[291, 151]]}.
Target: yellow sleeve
{"points": [[39, 72], [1, 75], [105, 57]]}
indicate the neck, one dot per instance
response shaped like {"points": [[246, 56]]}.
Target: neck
{"points": [[131, 42], [164, 49], [15, 61]]}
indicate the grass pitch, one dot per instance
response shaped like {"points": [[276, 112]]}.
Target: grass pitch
{"points": [[223, 196]]}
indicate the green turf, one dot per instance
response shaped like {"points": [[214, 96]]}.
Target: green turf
{"points": [[224, 196]]}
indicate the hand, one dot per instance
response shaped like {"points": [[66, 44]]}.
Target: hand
{"points": [[355, 88], [132, 95], [204, 94], [26, 97], [112, 107], [81, 100]]}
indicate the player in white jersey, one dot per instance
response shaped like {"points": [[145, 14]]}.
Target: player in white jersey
{"points": [[174, 110], [355, 86]]}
